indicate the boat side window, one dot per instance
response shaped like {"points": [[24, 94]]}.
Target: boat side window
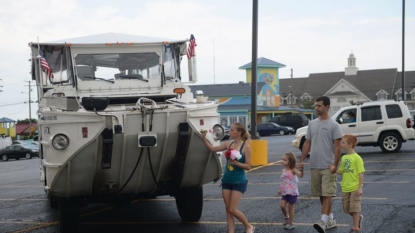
{"points": [[168, 63], [55, 57]]}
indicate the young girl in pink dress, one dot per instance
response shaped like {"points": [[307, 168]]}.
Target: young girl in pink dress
{"points": [[289, 188]]}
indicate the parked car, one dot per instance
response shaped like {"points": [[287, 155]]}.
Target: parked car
{"points": [[19, 142], [294, 121], [34, 143], [269, 128], [19, 151], [386, 124]]}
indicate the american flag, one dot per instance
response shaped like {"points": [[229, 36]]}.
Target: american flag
{"points": [[45, 66], [192, 45]]}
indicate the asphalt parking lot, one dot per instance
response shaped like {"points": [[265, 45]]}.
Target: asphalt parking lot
{"points": [[388, 204]]}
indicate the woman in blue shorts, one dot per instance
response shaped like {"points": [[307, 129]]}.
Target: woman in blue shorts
{"points": [[234, 182]]}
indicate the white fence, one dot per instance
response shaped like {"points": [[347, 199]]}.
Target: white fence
{"points": [[5, 141]]}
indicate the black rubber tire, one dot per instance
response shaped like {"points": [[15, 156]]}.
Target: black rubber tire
{"points": [[390, 142], [4, 157], [54, 203], [28, 156], [189, 204], [17, 158], [68, 215]]}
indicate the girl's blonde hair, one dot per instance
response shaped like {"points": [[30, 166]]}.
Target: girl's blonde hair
{"points": [[291, 159], [245, 135]]}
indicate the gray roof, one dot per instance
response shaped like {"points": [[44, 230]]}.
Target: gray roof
{"points": [[371, 81], [368, 82], [263, 62], [409, 81]]}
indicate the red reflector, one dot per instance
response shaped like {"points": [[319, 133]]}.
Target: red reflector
{"points": [[84, 132]]}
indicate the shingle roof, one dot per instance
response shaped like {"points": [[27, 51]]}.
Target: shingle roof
{"points": [[24, 127], [368, 82], [409, 81], [371, 81], [263, 62]]}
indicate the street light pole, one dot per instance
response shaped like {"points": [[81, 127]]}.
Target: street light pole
{"points": [[291, 89], [254, 67], [403, 50]]}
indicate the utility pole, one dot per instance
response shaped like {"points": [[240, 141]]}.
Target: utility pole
{"points": [[214, 72], [30, 109], [291, 89]]}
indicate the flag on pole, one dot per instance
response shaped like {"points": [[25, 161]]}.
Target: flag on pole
{"points": [[45, 66], [191, 48]]}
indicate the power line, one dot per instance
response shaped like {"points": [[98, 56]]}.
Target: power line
{"points": [[15, 103], [13, 113]]}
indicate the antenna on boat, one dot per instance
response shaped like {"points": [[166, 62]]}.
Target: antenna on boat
{"points": [[38, 47], [214, 75]]}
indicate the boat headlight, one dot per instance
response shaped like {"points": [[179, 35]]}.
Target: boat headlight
{"points": [[218, 132], [60, 142]]}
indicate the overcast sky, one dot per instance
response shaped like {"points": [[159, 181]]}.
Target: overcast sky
{"points": [[307, 36]]}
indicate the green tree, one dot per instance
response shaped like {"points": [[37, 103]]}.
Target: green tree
{"points": [[307, 103], [27, 121]]}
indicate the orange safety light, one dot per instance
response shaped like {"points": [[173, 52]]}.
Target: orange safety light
{"points": [[179, 90], [109, 44]]}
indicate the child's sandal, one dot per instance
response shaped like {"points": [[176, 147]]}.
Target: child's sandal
{"points": [[286, 221]]}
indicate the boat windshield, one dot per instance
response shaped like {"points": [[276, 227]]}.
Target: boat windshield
{"points": [[111, 66]]}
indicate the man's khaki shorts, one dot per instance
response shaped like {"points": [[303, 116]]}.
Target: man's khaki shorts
{"points": [[323, 183], [351, 202]]}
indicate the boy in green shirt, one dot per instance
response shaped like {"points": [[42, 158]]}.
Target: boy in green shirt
{"points": [[352, 169]]}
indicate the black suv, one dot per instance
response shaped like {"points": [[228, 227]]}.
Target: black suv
{"points": [[294, 121]]}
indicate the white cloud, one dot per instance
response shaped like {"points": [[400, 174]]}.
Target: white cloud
{"points": [[309, 37]]}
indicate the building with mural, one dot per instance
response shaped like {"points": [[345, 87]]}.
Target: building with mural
{"points": [[267, 73], [235, 99], [277, 96]]}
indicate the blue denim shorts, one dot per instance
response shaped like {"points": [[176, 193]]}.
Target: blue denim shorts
{"points": [[241, 187]]}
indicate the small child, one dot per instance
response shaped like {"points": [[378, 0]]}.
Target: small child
{"points": [[351, 168], [289, 188]]}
